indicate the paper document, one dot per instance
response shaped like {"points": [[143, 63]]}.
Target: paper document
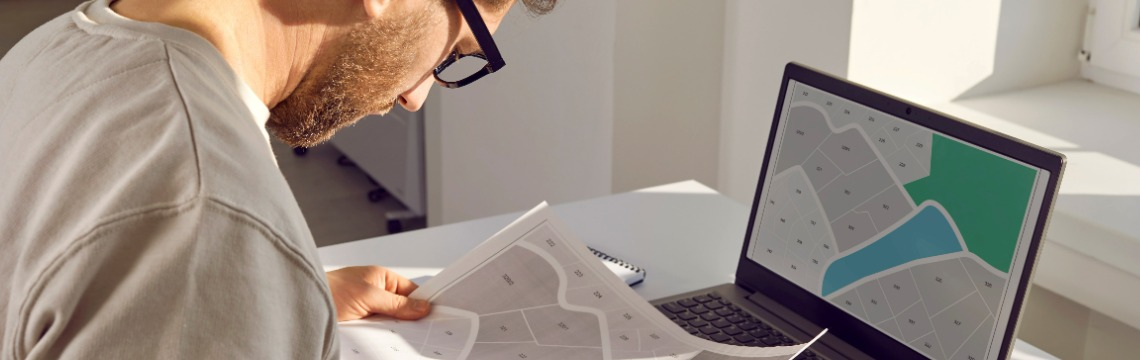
{"points": [[532, 291]]}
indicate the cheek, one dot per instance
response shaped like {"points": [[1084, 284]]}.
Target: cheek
{"points": [[429, 57], [435, 45]]}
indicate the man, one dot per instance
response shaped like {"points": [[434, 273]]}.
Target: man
{"points": [[141, 211]]}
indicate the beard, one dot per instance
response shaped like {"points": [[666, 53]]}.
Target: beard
{"points": [[365, 78]]}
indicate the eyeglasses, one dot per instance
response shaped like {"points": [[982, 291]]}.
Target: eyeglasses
{"points": [[459, 70]]}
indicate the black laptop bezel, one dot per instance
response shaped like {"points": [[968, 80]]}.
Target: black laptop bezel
{"points": [[870, 340]]}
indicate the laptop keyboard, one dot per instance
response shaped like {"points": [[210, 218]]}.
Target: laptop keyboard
{"points": [[712, 318]]}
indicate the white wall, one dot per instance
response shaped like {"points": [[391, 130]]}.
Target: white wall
{"points": [[931, 51], [640, 97], [760, 38], [1037, 44], [923, 50], [540, 129], [667, 85]]}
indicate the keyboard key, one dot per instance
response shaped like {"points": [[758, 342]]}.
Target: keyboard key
{"points": [[758, 333], [732, 331], [735, 319], [721, 323], [764, 326], [680, 322], [671, 316], [770, 340], [710, 316], [690, 329], [714, 305], [708, 330], [724, 312], [714, 296], [687, 302], [698, 323], [686, 316], [699, 309], [702, 299], [744, 338], [746, 326], [720, 337], [674, 308], [703, 336]]}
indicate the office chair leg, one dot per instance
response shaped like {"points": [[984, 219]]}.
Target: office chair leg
{"points": [[397, 219]]}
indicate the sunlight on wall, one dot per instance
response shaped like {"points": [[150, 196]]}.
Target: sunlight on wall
{"points": [[1096, 173], [925, 50]]}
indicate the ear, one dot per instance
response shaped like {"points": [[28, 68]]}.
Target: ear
{"points": [[376, 8]]}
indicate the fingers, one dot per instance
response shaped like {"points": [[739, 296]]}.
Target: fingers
{"points": [[395, 305], [403, 286]]}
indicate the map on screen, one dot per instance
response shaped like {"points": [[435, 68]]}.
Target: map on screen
{"points": [[908, 229]]}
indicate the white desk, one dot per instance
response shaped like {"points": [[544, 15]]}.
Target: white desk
{"points": [[661, 229]]}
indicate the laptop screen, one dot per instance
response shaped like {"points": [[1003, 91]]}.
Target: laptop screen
{"points": [[919, 234]]}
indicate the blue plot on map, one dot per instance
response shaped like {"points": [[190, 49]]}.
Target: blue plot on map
{"points": [[926, 234]]}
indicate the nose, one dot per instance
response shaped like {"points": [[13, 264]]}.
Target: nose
{"points": [[414, 98]]}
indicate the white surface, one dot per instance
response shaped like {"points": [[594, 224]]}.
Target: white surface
{"points": [[539, 129], [922, 50], [1090, 282], [760, 38], [1025, 351], [655, 228]]}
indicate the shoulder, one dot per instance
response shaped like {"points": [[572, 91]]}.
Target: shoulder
{"points": [[200, 273]]}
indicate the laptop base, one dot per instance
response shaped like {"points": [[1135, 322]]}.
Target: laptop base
{"points": [[780, 318]]}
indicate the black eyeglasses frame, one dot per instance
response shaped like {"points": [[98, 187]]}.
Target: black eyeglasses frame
{"points": [[489, 52]]}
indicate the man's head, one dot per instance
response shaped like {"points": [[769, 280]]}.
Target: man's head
{"points": [[385, 58]]}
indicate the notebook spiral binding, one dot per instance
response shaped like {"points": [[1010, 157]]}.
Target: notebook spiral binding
{"points": [[638, 274]]}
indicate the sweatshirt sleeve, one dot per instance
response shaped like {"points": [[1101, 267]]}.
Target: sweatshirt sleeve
{"points": [[199, 280]]}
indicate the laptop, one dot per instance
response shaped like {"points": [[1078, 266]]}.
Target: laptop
{"points": [[905, 232]]}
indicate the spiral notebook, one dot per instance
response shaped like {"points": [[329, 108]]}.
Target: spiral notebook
{"points": [[630, 273]]}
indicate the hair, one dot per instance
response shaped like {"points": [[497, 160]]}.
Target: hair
{"points": [[535, 7]]}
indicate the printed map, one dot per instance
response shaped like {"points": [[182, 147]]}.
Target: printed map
{"points": [[531, 292], [909, 230]]}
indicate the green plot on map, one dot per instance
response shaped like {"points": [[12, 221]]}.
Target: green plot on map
{"points": [[986, 195]]}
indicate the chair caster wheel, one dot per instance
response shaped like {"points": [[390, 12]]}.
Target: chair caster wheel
{"points": [[395, 227], [377, 195]]}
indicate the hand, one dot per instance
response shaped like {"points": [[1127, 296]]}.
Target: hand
{"points": [[360, 291]]}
